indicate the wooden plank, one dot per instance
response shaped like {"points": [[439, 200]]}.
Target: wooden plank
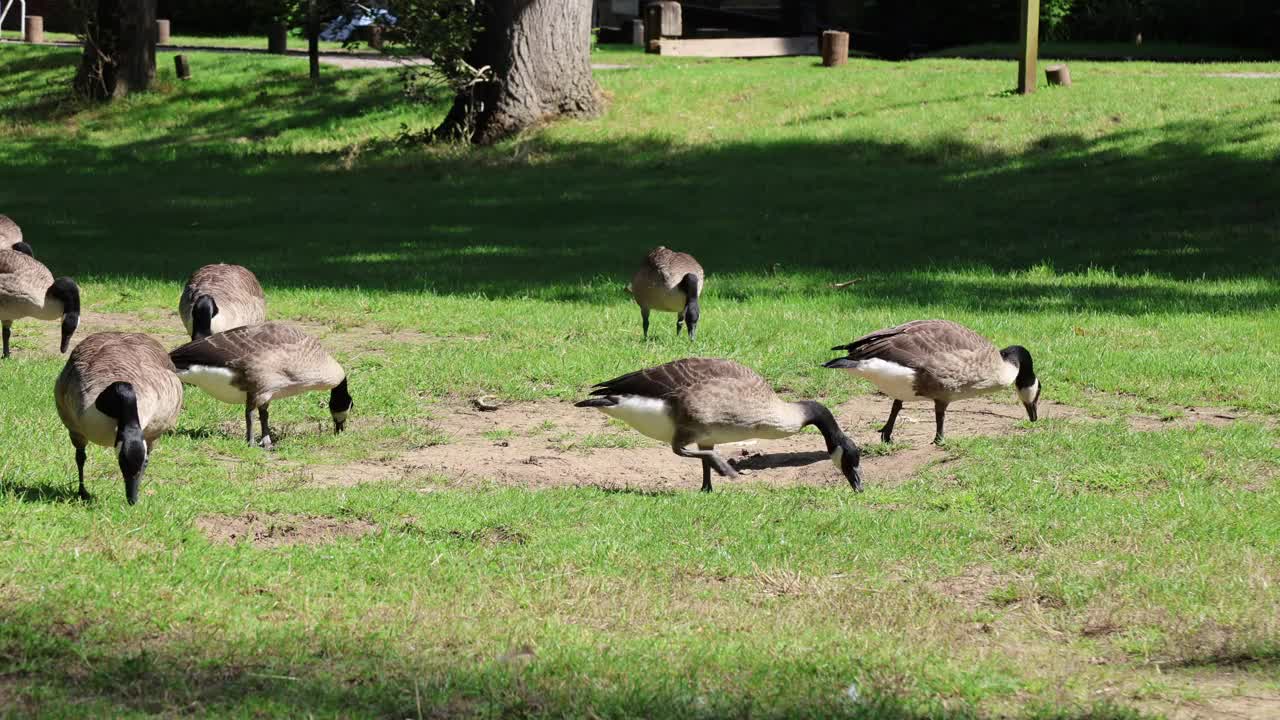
{"points": [[1029, 31], [740, 47]]}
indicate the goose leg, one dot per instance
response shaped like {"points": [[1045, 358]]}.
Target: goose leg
{"points": [[706, 468], [248, 423], [644, 320], [710, 459], [886, 432], [940, 416], [7, 324], [262, 421], [80, 458]]}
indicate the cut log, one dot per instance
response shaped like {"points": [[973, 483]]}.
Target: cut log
{"points": [[34, 31], [278, 39], [662, 19], [633, 32], [162, 32], [740, 47], [182, 67], [1058, 75], [835, 48]]}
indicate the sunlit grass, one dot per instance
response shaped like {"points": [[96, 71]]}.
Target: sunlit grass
{"points": [[1124, 230]]}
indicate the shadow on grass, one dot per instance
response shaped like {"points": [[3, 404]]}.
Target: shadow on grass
{"points": [[68, 493], [570, 223], [50, 666]]}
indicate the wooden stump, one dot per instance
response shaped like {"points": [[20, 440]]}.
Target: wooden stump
{"points": [[183, 67], [835, 48], [34, 31], [278, 39], [633, 32], [1058, 75], [662, 19], [162, 32]]}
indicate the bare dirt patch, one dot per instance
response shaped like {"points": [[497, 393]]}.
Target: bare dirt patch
{"points": [[267, 531], [1222, 696], [973, 587], [553, 444]]}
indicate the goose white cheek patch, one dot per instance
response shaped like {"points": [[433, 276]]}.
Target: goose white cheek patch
{"points": [[340, 416], [837, 458]]}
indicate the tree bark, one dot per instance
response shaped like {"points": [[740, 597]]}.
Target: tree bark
{"points": [[119, 49], [539, 54]]}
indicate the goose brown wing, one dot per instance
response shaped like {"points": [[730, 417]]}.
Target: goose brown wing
{"points": [[913, 344], [673, 378], [232, 349]]}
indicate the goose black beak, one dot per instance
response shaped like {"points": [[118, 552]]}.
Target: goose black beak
{"points": [[338, 426], [855, 479], [1031, 411]]}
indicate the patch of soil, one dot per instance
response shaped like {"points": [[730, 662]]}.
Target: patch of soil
{"points": [[267, 531], [547, 444], [533, 445], [1191, 416], [1226, 696], [971, 588]]}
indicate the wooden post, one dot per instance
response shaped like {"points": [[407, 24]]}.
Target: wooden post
{"points": [[34, 32], [1029, 28], [313, 40], [278, 39], [182, 67], [662, 19], [1058, 75], [162, 32], [835, 48], [633, 31]]}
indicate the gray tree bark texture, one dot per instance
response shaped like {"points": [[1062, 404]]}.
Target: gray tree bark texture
{"points": [[119, 49], [539, 53]]}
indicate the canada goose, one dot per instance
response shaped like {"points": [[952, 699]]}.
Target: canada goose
{"points": [[256, 364], [671, 282], [27, 289], [941, 361], [708, 401], [11, 236], [221, 297], [118, 390]]}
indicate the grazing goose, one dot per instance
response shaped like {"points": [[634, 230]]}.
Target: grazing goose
{"points": [[671, 282], [118, 390], [27, 289], [708, 401], [941, 361], [11, 236], [255, 364], [221, 297]]}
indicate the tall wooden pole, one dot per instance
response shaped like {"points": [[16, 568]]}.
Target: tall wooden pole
{"points": [[1029, 29], [313, 40]]}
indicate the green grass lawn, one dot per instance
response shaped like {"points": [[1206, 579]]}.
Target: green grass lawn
{"points": [[1125, 230], [1150, 51]]}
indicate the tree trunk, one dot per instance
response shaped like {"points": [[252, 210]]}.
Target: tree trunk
{"points": [[539, 53], [119, 49]]}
